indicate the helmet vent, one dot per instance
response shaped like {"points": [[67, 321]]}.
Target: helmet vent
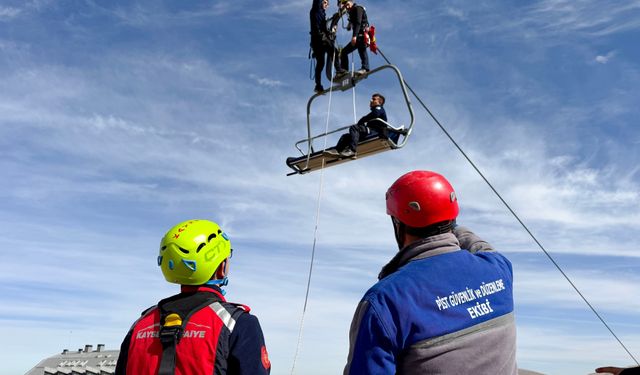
{"points": [[415, 206], [191, 264], [452, 196], [200, 247], [183, 250], [211, 236]]}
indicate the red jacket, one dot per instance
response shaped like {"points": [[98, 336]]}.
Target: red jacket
{"points": [[218, 337]]}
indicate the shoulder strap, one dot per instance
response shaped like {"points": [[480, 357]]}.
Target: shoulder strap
{"points": [[142, 315], [229, 312], [171, 329]]}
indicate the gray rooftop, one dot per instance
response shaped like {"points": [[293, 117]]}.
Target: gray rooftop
{"points": [[102, 362], [83, 361]]}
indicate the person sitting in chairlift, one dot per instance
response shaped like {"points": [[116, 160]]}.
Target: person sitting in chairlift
{"points": [[347, 143]]}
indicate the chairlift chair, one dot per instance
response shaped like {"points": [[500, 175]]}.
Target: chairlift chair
{"points": [[311, 160]]}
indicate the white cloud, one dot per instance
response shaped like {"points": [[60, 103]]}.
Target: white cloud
{"points": [[268, 82], [7, 13], [608, 293], [562, 351], [603, 59], [456, 13]]}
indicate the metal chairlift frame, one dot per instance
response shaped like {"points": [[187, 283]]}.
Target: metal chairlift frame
{"points": [[346, 83]]}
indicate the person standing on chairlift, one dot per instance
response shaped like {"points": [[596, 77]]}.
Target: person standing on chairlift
{"points": [[347, 143], [358, 22], [321, 43]]}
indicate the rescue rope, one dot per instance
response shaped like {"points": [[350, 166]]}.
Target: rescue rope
{"points": [[353, 90], [513, 213], [315, 229]]}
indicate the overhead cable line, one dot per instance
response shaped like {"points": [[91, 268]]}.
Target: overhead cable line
{"points": [[513, 213]]}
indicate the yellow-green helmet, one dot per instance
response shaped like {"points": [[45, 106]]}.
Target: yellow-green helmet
{"points": [[191, 252]]}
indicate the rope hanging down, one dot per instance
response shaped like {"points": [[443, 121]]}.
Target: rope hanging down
{"points": [[514, 214], [353, 91], [315, 229]]}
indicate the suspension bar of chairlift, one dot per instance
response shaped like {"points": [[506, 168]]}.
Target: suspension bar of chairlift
{"points": [[352, 82]]}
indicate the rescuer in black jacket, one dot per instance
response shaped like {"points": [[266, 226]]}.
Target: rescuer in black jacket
{"points": [[359, 22], [321, 43]]}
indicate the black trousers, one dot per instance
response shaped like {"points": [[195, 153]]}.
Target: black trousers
{"points": [[357, 132], [362, 51], [351, 139], [322, 51]]}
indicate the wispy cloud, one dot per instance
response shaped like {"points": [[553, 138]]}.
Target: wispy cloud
{"points": [[561, 351], [603, 59], [7, 13], [574, 18], [268, 82]]}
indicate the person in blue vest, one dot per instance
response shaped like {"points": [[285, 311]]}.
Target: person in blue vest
{"points": [[444, 303], [196, 331]]}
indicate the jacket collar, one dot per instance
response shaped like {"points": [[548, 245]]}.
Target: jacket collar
{"points": [[202, 288], [424, 248]]}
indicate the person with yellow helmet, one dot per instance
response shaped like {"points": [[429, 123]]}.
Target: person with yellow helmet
{"points": [[196, 331], [444, 303]]}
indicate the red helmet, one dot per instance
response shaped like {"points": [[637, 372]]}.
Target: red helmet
{"points": [[422, 198]]}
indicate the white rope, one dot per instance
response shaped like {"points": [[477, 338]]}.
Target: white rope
{"points": [[315, 230], [353, 90]]}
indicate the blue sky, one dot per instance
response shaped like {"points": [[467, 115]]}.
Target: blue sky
{"points": [[119, 119]]}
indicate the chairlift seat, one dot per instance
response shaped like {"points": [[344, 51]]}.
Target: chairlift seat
{"points": [[372, 144]]}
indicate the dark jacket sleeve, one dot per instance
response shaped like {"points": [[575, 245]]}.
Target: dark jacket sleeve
{"points": [[356, 20], [376, 112], [335, 19], [121, 366], [470, 241], [248, 352]]}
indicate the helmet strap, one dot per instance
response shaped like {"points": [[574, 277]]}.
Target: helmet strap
{"points": [[432, 230], [399, 229], [220, 283]]}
